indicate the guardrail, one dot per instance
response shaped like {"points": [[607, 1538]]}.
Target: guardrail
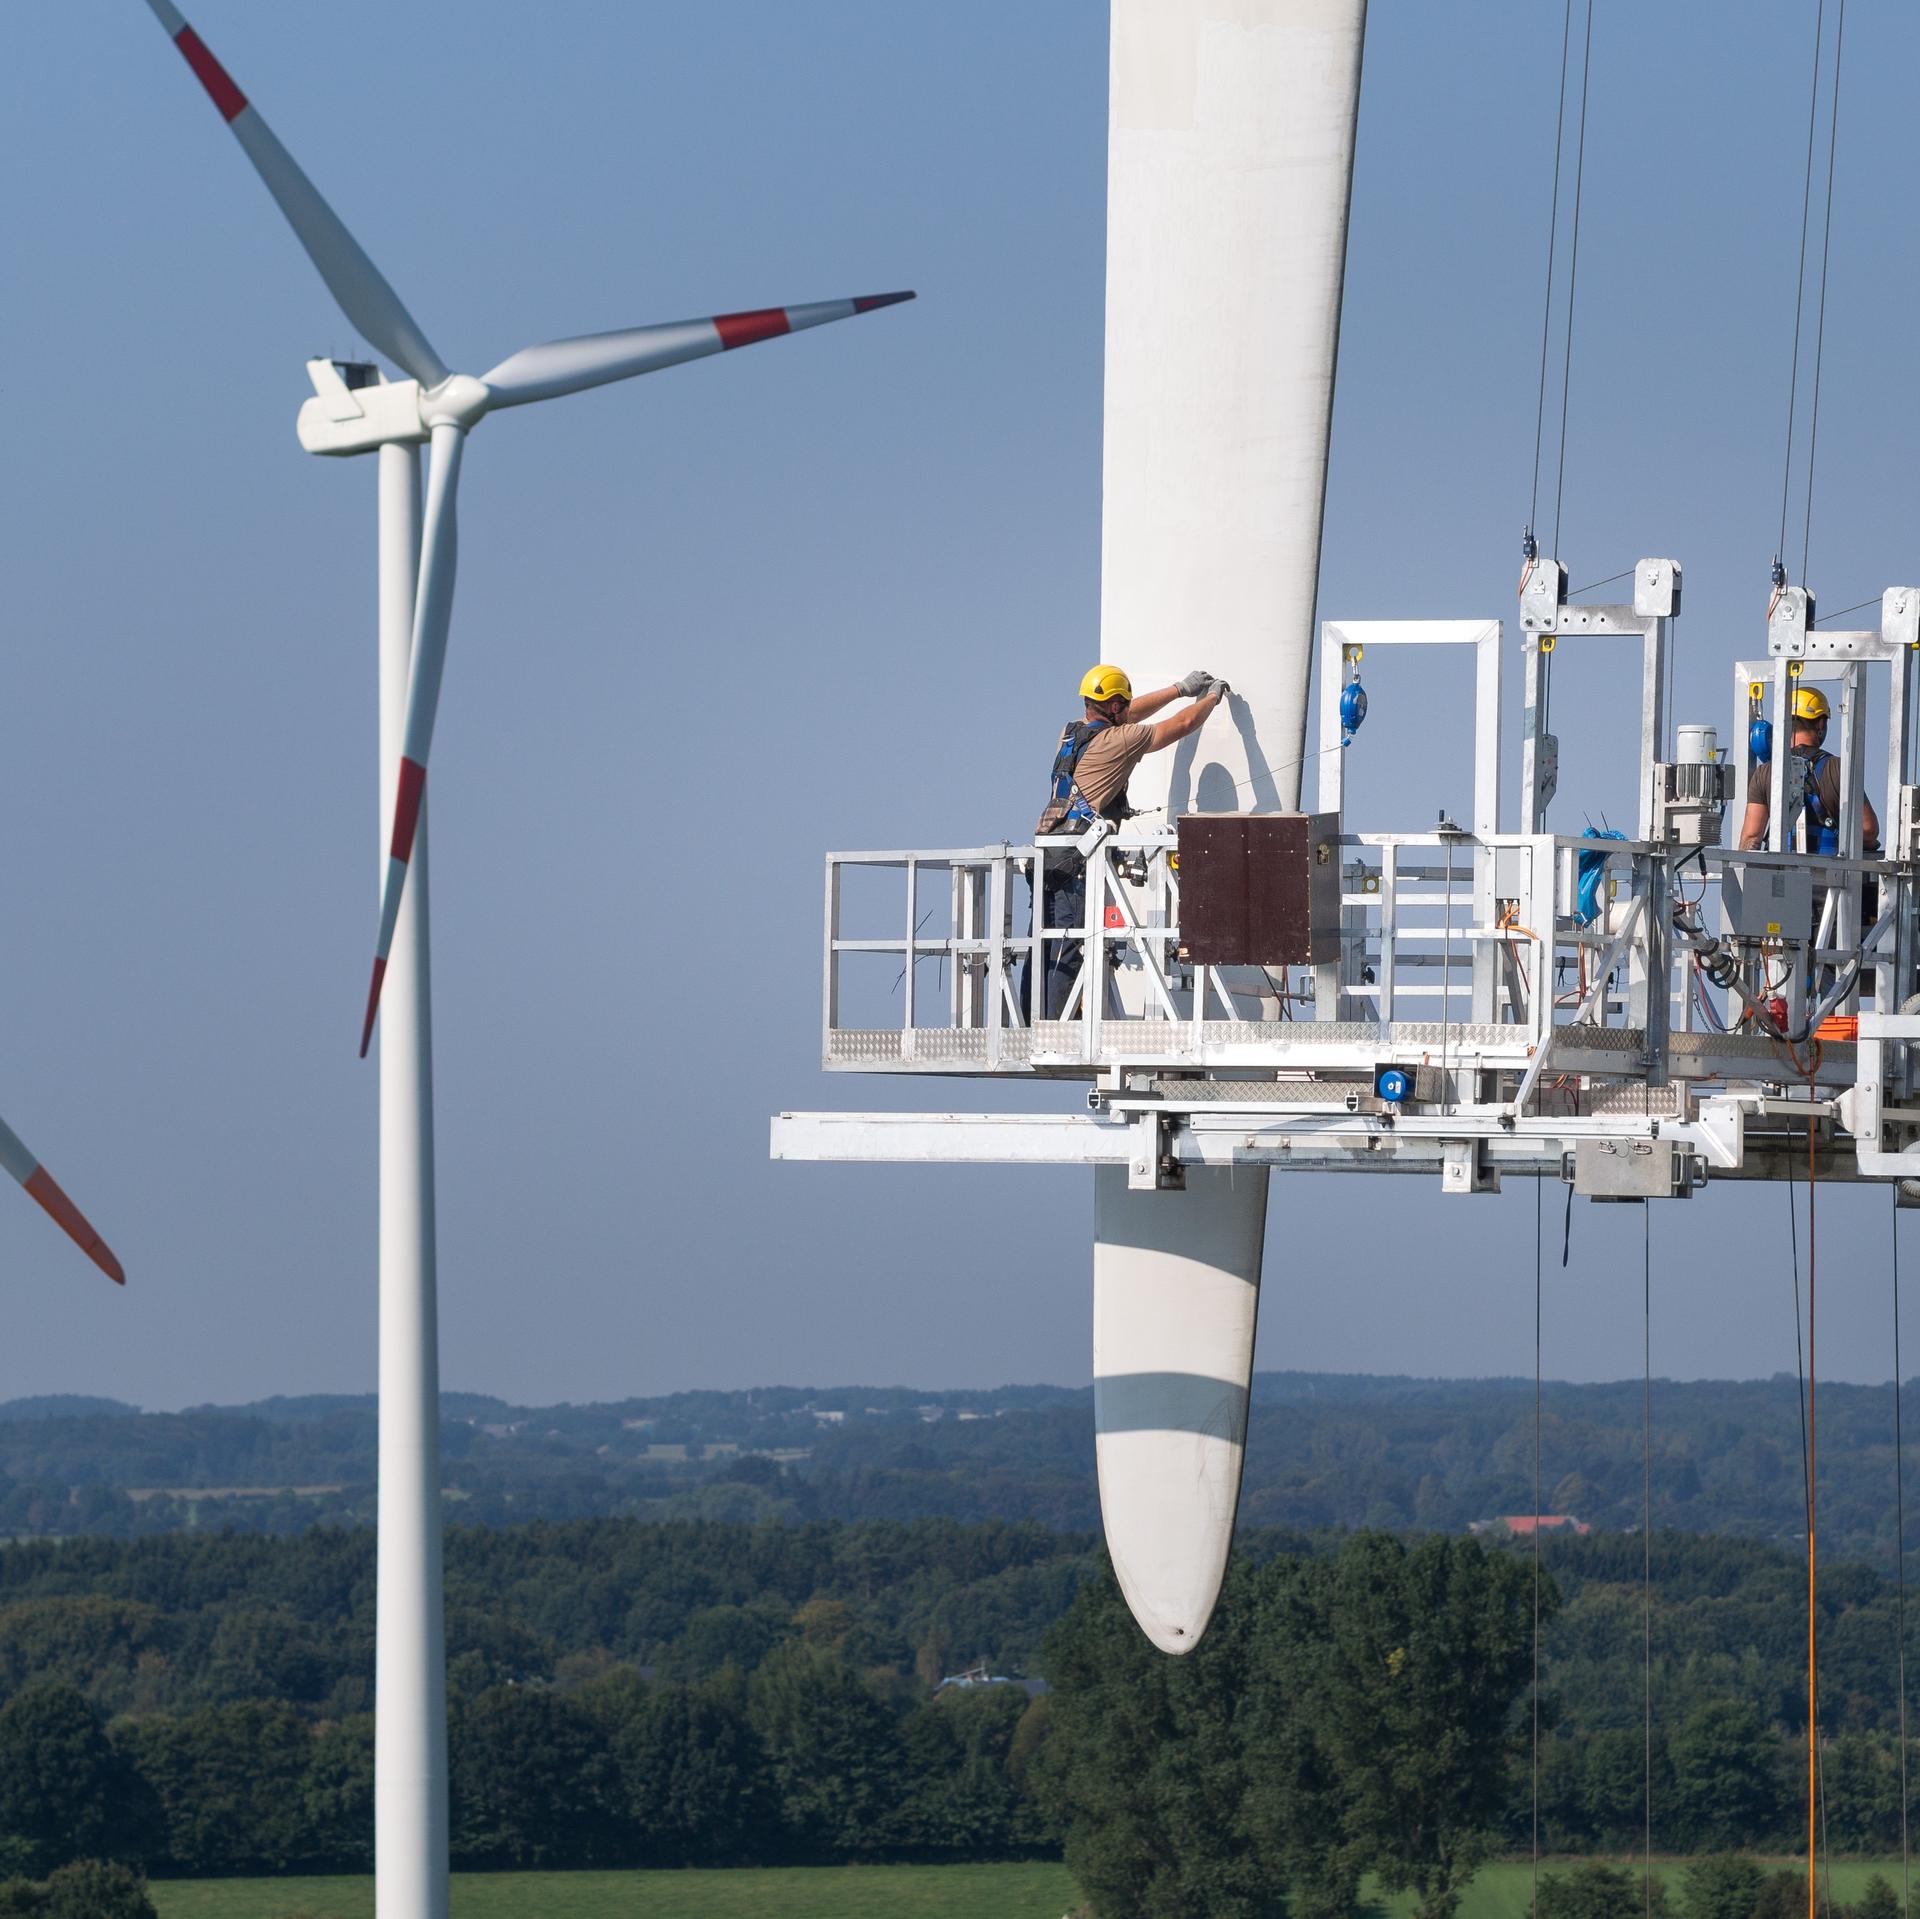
{"points": [[1464, 955]]}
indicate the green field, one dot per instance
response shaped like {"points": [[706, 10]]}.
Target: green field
{"points": [[799, 1892], [1505, 1891], [819, 1892]]}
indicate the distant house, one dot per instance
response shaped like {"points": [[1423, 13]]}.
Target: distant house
{"points": [[1525, 1525], [826, 1418], [977, 1676]]}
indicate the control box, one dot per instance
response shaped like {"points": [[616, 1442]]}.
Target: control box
{"points": [[1766, 902]]}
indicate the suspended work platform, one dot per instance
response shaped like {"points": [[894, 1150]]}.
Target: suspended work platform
{"points": [[1635, 1015]]}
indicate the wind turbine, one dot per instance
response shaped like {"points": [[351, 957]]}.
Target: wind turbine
{"points": [[42, 1185], [356, 410]]}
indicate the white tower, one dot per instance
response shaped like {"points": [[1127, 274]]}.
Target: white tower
{"points": [[1229, 167]]}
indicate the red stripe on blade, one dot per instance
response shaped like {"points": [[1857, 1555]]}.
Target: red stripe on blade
{"points": [[73, 1222], [406, 807], [743, 329], [213, 76], [373, 1006], [868, 301]]}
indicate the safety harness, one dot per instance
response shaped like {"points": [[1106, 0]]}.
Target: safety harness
{"points": [[1068, 809], [1817, 821]]}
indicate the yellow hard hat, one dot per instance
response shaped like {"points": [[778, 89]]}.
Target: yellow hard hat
{"points": [[1809, 703], [1104, 683]]}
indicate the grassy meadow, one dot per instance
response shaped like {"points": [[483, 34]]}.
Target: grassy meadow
{"points": [[1025, 1891], [1505, 1890], [1031, 1891]]}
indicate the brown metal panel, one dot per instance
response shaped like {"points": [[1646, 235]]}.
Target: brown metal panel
{"points": [[1260, 889], [1278, 915], [1213, 887]]}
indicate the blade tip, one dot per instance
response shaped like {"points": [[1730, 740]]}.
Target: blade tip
{"points": [[869, 302], [373, 1006]]}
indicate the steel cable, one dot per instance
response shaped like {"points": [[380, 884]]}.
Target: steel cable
{"points": [[1538, 1210], [1900, 1567], [1646, 1541], [1826, 247], [1800, 278], [1813, 1467], [1546, 305], [1573, 274]]}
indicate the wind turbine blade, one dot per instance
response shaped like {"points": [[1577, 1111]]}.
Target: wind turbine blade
{"points": [[353, 280], [432, 615], [47, 1190], [594, 359]]}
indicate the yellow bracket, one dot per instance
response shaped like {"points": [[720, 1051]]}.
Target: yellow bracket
{"points": [[1547, 642]]}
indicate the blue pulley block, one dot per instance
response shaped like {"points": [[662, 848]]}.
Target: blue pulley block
{"points": [[1760, 742]]}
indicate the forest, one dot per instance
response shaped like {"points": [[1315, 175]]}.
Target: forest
{"points": [[1324, 1450], [703, 1692]]}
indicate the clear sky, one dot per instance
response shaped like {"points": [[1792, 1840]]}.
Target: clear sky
{"points": [[834, 592]]}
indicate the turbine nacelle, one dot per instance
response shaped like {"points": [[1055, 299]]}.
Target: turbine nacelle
{"points": [[356, 415], [346, 416]]}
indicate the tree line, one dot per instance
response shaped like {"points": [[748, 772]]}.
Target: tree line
{"points": [[1324, 1452], [802, 1761], [696, 1692]]}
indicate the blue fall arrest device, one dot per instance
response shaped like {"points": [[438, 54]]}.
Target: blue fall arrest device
{"points": [[1353, 699], [1393, 1084]]}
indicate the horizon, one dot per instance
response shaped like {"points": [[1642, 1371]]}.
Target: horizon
{"points": [[1517, 1381]]}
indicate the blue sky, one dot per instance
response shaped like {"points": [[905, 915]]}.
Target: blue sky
{"points": [[831, 593]]}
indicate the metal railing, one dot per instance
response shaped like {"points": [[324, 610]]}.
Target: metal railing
{"points": [[1463, 954]]}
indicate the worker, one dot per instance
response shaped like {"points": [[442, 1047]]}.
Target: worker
{"points": [[1820, 773], [1096, 756]]}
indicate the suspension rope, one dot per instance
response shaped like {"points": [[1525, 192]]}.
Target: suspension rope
{"points": [[1646, 1542], [1573, 273], [1546, 304], [1826, 246], [1800, 277], [1538, 1216], [1813, 1463], [1827, 619], [1626, 573], [1900, 1566], [1800, 1372]]}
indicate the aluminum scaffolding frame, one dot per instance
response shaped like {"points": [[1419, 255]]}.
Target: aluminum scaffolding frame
{"points": [[1539, 1002]]}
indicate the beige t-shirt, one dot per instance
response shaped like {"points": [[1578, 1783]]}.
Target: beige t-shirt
{"points": [[1108, 762]]}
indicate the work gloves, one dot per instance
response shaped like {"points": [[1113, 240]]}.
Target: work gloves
{"points": [[1196, 684]]}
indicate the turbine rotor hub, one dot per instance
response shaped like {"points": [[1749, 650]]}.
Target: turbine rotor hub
{"points": [[459, 400]]}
